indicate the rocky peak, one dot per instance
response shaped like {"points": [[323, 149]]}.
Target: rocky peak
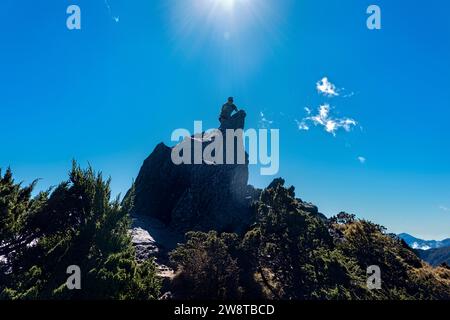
{"points": [[195, 196]]}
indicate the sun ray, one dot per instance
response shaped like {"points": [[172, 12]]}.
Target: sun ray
{"points": [[226, 4], [237, 34]]}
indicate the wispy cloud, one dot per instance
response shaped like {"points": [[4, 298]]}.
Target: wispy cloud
{"points": [[263, 121], [302, 125], [327, 88], [348, 95], [324, 118], [115, 18], [362, 160], [444, 208]]}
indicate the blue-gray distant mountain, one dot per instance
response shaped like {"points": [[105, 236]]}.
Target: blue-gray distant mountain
{"points": [[421, 244], [435, 257]]}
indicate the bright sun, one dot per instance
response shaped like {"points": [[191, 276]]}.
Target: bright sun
{"points": [[234, 33], [227, 4], [222, 19]]}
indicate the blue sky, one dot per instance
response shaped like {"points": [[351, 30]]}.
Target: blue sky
{"points": [[137, 70]]}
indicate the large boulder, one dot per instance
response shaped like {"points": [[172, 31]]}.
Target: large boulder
{"points": [[202, 196], [237, 121]]}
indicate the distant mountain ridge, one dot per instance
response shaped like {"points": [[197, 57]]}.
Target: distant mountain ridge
{"points": [[435, 257], [416, 243]]}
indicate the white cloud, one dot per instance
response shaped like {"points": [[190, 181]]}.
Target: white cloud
{"points": [[444, 208], [326, 88], [302, 125], [323, 118], [264, 122], [347, 124], [348, 95], [415, 245], [362, 159]]}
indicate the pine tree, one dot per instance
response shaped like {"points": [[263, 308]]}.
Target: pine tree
{"points": [[75, 224]]}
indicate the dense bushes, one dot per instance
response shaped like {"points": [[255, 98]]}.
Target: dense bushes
{"points": [[286, 254], [208, 268], [292, 254], [75, 224]]}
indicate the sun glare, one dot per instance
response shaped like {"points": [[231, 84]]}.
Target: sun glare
{"points": [[226, 4], [237, 33], [223, 16]]}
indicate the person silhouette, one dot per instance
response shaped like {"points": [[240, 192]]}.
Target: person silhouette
{"points": [[227, 110]]}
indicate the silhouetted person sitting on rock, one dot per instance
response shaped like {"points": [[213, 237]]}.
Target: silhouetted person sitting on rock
{"points": [[227, 110]]}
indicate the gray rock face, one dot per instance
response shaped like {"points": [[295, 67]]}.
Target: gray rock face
{"points": [[237, 121], [152, 239], [201, 197], [144, 243]]}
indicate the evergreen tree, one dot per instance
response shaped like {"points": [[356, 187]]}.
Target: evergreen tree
{"points": [[75, 224], [292, 254], [207, 266]]}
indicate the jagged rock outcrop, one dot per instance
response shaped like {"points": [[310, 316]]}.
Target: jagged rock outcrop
{"points": [[202, 196], [237, 121]]}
